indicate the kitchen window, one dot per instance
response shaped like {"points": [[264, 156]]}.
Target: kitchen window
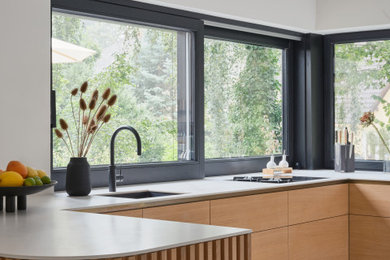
{"points": [[243, 99], [359, 82], [148, 59], [245, 93], [155, 60], [147, 67]]}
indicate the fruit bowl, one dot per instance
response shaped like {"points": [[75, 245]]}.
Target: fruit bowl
{"points": [[20, 192]]}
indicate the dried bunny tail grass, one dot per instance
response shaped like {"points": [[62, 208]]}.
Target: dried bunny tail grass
{"points": [[93, 129], [106, 94], [95, 94], [63, 124], [112, 100], [92, 104], [106, 118], [83, 105], [58, 133], [84, 87], [85, 120], [92, 123], [102, 111], [74, 91], [65, 127]]}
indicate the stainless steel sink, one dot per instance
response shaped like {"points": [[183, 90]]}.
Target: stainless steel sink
{"points": [[140, 194]]}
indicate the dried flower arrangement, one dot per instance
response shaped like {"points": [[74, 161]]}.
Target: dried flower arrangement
{"points": [[90, 119]]}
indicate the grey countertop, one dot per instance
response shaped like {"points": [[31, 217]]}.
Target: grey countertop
{"points": [[50, 229]]}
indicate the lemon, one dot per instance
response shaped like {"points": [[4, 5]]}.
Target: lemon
{"points": [[11, 179], [31, 172], [46, 180], [29, 182], [41, 173]]}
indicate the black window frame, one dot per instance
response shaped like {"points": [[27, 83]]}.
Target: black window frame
{"points": [[148, 14], [154, 171], [225, 166], [329, 76]]}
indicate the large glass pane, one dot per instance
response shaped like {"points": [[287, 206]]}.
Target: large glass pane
{"points": [[147, 67], [361, 85], [243, 99]]}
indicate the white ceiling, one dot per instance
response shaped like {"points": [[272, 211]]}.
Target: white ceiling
{"points": [[317, 16]]}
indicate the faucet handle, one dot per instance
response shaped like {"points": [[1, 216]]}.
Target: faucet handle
{"points": [[119, 178]]}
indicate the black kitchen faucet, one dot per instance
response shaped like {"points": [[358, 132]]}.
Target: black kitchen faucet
{"points": [[112, 176]]}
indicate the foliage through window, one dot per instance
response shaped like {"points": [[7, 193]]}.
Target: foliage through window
{"points": [[362, 72], [243, 99], [144, 67]]}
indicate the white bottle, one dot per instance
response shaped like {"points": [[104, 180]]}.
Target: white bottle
{"points": [[283, 163], [271, 164]]}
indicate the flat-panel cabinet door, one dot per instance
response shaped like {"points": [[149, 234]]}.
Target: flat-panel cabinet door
{"points": [[195, 212], [369, 238], [256, 212], [270, 245], [317, 203], [370, 199], [319, 240]]}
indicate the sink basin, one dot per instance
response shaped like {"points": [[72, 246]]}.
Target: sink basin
{"points": [[141, 194]]}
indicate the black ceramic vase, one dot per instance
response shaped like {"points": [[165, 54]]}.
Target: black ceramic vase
{"points": [[78, 182]]}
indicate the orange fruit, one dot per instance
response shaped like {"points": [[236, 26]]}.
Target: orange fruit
{"points": [[18, 167]]}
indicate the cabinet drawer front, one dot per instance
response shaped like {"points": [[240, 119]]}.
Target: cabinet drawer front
{"points": [[270, 244], [196, 212], [369, 237], [370, 199], [322, 239], [137, 213], [256, 212], [317, 203]]}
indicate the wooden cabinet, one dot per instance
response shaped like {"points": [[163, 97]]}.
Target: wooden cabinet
{"points": [[196, 212], [256, 212], [369, 238], [137, 213], [323, 239], [270, 244], [370, 199], [369, 221], [317, 203]]}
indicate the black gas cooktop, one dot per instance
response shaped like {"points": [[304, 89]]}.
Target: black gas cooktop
{"points": [[275, 180]]}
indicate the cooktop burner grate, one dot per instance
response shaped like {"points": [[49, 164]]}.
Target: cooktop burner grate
{"points": [[275, 180]]}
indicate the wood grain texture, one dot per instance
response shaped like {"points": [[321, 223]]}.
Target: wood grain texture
{"points": [[257, 212], [319, 240], [212, 250], [196, 212], [270, 244], [369, 238], [370, 199], [317, 203], [137, 213]]}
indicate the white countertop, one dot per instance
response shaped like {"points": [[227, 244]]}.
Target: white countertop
{"points": [[48, 230]]}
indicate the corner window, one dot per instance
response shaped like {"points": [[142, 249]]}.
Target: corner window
{"points": [[361, 84], [149, 68], [243, 99]]}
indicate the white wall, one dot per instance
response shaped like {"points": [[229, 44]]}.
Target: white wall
{"points": [[296, 15], [352, 15], [25, 82]]}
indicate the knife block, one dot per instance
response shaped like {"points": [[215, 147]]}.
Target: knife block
{"points": [[344, 160]]}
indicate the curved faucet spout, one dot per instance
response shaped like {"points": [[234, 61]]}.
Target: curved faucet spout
{"points": [[112, 176]]}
